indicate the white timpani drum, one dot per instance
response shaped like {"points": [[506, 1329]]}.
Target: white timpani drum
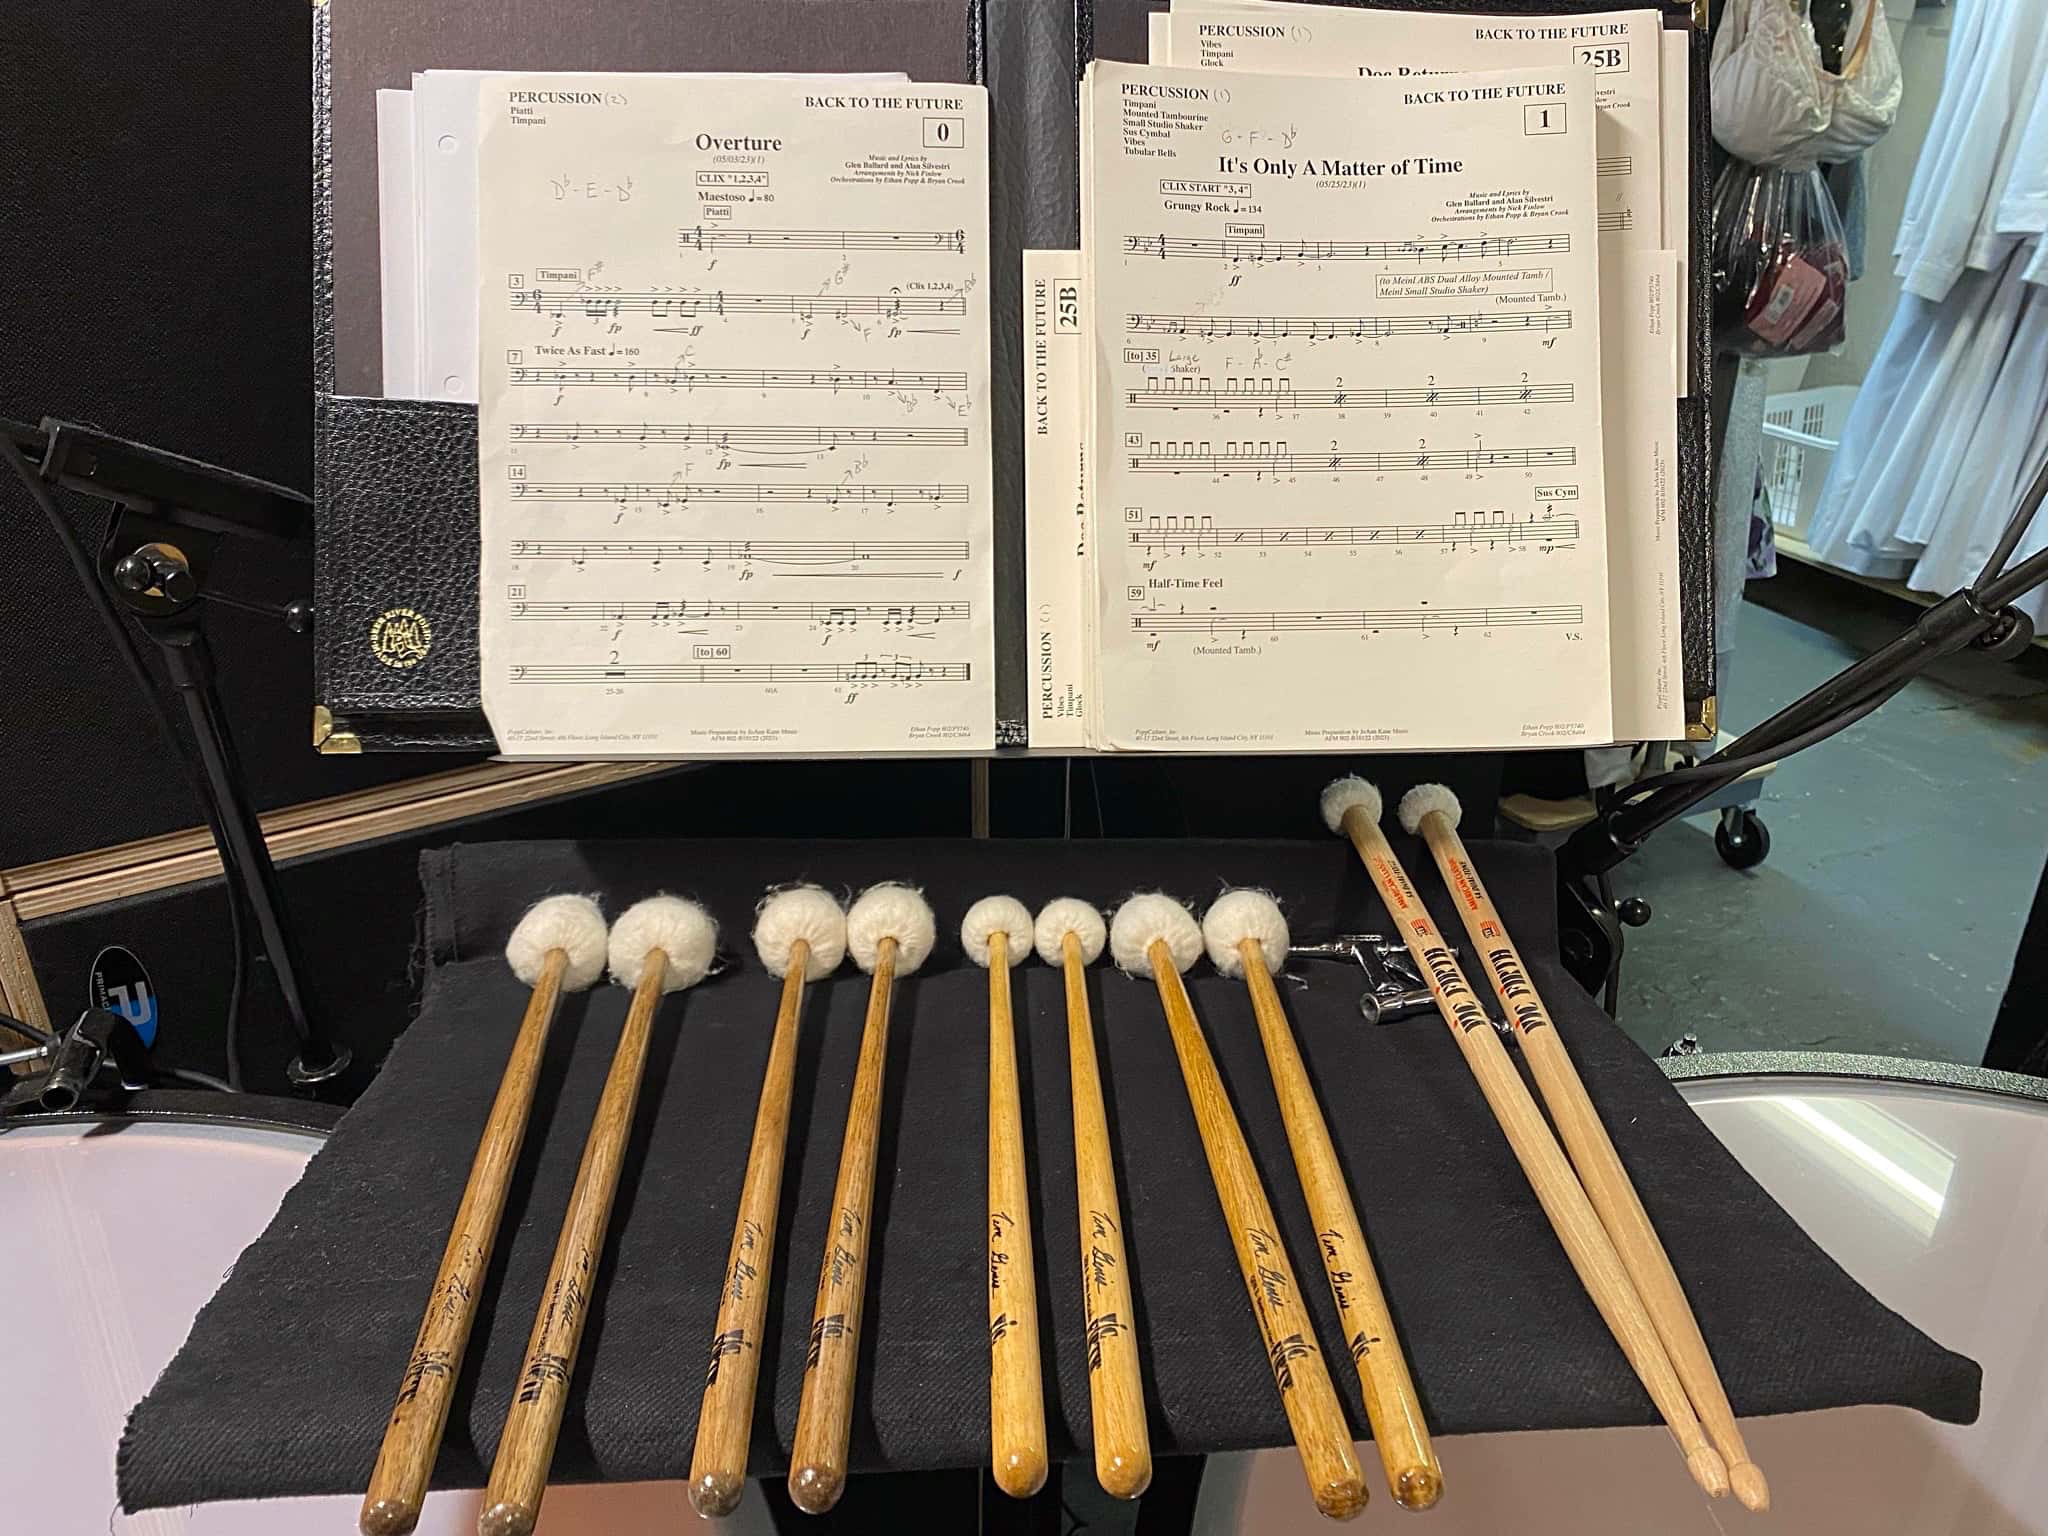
{"points": [[1927, 1183], [117, 1230]]}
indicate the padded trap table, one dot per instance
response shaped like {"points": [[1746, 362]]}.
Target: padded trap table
{"points": [[285, 1383]]}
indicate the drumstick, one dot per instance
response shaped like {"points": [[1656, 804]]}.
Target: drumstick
{"points": [[1351, 807], [557, 947], [800, 934], [1070, 934], [889, 932], [996, 933], [1246, 936], [657, 946], [1154, 932], [1433, 811]]}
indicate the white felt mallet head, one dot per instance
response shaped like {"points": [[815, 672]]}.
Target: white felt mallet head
{"points": [[1423, 799], [1239, 915], [1064, 915], [1340, 795], [891, 911], [572, 924], [990, 916], [681, 930], [807, 913], [1145, 919]]}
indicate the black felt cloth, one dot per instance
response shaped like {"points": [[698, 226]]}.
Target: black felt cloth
{"points": [[285, 1382]]}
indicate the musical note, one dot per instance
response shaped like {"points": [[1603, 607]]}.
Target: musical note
{"points": [[1275, 459], [678, 611], [866, 673], [601, 303], [833, 379], [1178, 535], [1355, 327], [1179, 392], [700, 238], [1419, 620], [760, 436], [763, 551], [1163, 246], [671, 494]]}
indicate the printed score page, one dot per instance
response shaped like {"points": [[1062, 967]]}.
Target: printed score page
{"points": [[734, 420], [1626, 52], [1347, 488]]}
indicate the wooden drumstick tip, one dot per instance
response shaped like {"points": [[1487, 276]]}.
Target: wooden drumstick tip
{"points": [[814, 1490], [1124, 1475], [1342, 1498], [717, 1494], [1708, 1470], [1418, 1488], [506, 1519], [388, 1517], [1751, 1491], [1022, 1473]]}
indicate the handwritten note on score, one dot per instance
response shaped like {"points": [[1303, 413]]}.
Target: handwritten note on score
{"points": [[734, 416], [1346, 435]]}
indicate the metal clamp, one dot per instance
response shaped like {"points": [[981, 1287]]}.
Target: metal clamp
{"points": [[75, 1058], [1395, 989]]}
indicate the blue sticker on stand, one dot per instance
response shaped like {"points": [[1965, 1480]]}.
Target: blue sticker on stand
{"points": [[121, 986]]}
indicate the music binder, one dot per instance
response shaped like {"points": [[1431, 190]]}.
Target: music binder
{"points": [[396, 575]]}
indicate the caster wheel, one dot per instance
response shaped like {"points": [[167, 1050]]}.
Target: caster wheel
{"points": [[1745, 844]]}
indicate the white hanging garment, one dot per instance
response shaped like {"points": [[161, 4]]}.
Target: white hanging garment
{"points": [[1866, 93], [1994, 238], [1987, 99], [2023, 206]]}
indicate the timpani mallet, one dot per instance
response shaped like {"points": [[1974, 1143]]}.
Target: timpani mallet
{"points": [[1070, 934], [1155, 933], [558, 946], [659, 945], [1433, 812], [1246, 936], [800, 935], [996, 933], [1351, 808], [889, 932]]}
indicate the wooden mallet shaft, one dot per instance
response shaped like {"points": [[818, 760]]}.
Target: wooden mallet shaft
{"points": [[1313, 1412], [817, 1471], [1116, 1392], [412, 1439], [1016, 1396], [519, 1475], [1599, 1166], [718, 1465], [1391, 1404], [1557, 1188]]}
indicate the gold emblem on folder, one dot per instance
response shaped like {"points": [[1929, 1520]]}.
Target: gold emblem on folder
{"points": [[401, 637]]}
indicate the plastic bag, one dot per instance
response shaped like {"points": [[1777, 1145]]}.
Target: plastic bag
{"points": [[1781, 265]]}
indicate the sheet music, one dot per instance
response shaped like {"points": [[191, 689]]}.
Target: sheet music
{"points": [[1622, 48], [1627, 51], [1056, 564], [734, 425], [1346, 415]]}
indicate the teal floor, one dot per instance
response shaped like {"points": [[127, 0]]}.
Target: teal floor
{"points": [[1904, 853]]}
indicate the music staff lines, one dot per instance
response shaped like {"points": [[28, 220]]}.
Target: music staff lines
{"points": [[757, 493], [1179, 535], [701, 238], [1355, 327], [1280, 395], [759, 551], [763, 436], [679, 611], [834, 379], [1478, 248], [1615, 165], [1370, 620], [1616, 220], [1275, 459], [857, 674], [598, 303]]}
